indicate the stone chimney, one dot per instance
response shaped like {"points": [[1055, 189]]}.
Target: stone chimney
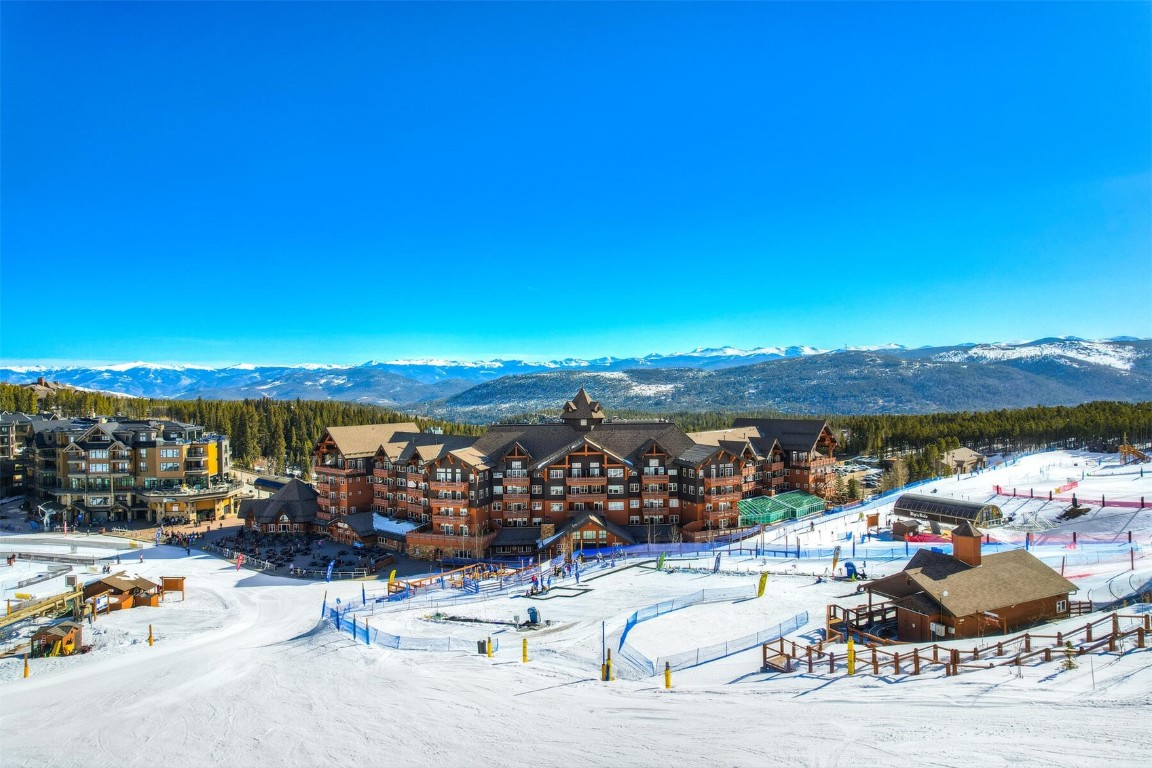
{"points": [[966, 543]]}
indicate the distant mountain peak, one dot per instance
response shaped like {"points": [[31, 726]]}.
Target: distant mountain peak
{"points": [[705, 377]]}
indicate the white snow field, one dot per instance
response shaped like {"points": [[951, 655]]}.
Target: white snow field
{"points": [[244, 672]]}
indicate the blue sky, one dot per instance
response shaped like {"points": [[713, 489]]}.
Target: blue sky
{"points": [[294, 182]]}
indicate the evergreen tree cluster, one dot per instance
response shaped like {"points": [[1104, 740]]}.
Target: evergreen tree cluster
{"points": [[284, 431]]}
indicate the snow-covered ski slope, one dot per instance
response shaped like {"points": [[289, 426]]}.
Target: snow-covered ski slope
{"points": [[244, 673]]}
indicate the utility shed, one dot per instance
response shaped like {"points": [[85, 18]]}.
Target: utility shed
{"points": [[947, 511]]}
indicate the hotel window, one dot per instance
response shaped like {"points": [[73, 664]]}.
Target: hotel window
{"points": [[634, 520], [556, 490], [557, 506], [634, 503], [1061, 606], [555, 474], [101, 454]]}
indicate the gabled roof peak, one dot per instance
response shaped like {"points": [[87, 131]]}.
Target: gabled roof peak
{"points": [[583, 408]]}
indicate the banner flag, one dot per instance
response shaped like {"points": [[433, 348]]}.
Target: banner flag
{"points": [[660, 562], [331, 565], [835, 559], [763, 582], [716, 566]]}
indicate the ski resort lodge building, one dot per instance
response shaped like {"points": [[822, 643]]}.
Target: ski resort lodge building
{"points": [[965, 594], [583, 480]]}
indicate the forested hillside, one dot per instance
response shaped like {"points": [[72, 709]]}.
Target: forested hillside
{"points": [[285, 430]]}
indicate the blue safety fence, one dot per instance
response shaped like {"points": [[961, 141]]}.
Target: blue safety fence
{"points": [[647, 667], [361, 631], [696, 598], [709, 653]]}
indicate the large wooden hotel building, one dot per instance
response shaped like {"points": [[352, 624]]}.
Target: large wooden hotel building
{"points": [[520, 488]]}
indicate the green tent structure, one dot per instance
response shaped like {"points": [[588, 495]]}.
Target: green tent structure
{"points": [[769, 510]]}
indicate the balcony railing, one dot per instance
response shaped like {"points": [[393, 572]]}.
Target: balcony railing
{"points": [[585, 497], [326, 470], [586, 481], [471, 542], [448, 485], [711, 482]]}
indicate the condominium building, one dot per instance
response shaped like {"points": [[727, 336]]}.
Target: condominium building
{"points": [[522, 487], [96, 471], [342, 464], [15, 429]]}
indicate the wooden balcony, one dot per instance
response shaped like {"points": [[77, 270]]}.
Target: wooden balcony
{"points": [[452, 486], [470, 542], [586, 497], [336, 471], [712, 482], [654, 478], [600, 480], [441, 503], [453, 519], [815, 460]]}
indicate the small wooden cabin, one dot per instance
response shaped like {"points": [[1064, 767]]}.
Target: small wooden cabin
{"points": [[61, 639], [124, 592]]}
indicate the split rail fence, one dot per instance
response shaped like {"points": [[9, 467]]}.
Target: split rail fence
{"points": [[1116, 632]]}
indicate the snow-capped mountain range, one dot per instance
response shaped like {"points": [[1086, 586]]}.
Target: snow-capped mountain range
{"points": [[889, 378]]}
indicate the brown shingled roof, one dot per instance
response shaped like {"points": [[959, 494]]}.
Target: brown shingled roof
{"points": [[364, 440], [1002, 579]]}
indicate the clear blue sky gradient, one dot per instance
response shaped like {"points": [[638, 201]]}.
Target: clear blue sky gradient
{"points": [[294, 182]]}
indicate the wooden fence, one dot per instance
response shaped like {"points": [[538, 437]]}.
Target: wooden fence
{"points": [[1114, 631]]}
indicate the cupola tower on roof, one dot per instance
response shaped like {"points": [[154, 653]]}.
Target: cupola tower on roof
{"points": [[966, 543], [582, 412]]}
